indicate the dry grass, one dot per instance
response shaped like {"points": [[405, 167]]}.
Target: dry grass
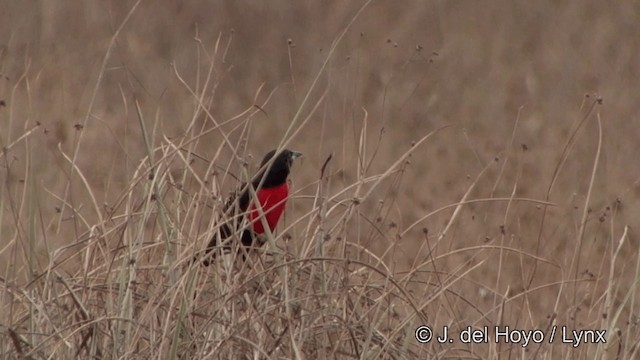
{"points": [[430, 194]]}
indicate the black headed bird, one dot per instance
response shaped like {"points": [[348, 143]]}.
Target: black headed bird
{"points": [[271, 189]]}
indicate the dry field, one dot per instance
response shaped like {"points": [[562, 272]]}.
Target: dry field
{"points": [[482, 175]]}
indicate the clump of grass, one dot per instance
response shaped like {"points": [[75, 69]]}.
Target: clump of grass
{"points": [[134, 290], [320, 292]]}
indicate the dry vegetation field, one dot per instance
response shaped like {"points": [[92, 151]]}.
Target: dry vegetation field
{"points": [[484, 173]]}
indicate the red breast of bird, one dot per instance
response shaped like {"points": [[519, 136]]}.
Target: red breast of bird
{"points": [[273, 201]]}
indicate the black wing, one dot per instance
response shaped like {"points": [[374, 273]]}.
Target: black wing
{"points": [[234, 206]]}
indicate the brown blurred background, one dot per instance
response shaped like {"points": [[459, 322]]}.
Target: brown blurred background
{"points": [[412, 66]]}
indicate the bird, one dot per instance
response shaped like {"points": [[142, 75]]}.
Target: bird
{"points": [[272, 191]]}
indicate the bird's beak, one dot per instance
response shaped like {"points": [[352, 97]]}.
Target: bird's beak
{"points": [[295, 155]]}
